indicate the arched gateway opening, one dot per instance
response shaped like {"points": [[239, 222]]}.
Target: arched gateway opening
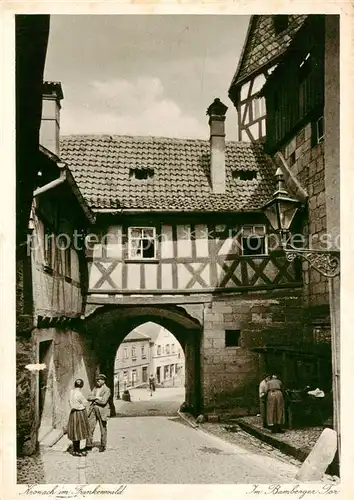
{"points": [[149, 370], [107, 328]]}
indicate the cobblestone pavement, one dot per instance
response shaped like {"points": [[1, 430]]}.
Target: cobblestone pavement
{"points": [[158, 450], [163, 402]]}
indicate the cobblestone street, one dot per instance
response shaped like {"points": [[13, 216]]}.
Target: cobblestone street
{"points": [[157, 450], [160, 449], [164, 401]]}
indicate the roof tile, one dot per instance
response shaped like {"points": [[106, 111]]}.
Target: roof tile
{"points": [[263, 45], [181, 181]]}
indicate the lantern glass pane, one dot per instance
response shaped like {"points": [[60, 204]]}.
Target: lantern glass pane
{"points": [[271, 214], [287, 211]]}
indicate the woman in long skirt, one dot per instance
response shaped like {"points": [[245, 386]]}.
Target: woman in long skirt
{"points": [[78, 425], [275, 404]]}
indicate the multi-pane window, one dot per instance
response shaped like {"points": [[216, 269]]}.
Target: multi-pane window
{"points": [[173, 348], [143, 353], [253, 240], [133, 352], [142, 243], [49, 248], [125, 353], [159, 350], [64, 246], [167, 348], [258, 107]]}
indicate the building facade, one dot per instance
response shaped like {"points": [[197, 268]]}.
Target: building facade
{"points": [[167, 359], [296, 131], [180, 239], [132, 363], [173, 232], [54, 352], [156, 352], [267, 39]]}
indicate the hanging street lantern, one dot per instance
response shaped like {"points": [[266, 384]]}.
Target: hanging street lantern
{"points": [[280, 211]]}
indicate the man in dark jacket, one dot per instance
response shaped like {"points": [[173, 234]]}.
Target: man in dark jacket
{"points": [[99, 411]]}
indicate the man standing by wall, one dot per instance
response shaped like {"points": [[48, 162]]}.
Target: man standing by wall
{"points": [[99, 411]]}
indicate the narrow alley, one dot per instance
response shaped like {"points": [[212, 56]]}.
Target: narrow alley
{"points": [[148, 442]]}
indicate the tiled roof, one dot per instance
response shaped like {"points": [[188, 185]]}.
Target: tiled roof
{"points": [[263, 46], [102, 166], [135, 335]]}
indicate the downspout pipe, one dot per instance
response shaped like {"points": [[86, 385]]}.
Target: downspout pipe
{"points": [[52, 184]]}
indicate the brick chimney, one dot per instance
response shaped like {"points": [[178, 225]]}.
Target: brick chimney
{"points": [[49, 136], [217, 111]]}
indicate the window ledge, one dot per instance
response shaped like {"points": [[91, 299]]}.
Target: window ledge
{"points": [[142, 261]]}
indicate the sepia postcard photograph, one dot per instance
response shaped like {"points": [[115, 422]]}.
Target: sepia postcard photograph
{"points": [[178, 293]]}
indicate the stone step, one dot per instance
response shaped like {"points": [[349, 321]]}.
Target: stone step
{"points": [[62, 445], [44, 430], [52, 438]]}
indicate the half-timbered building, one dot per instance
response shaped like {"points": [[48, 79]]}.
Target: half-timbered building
{"points": [[180, 239], [300, 116], [54, 291], [267, 40]]}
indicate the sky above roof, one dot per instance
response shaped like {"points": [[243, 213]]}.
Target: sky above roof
{"points": [[146, 74]]}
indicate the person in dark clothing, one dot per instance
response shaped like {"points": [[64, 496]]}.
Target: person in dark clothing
{"points": [[275, 404], [152, 385], [99, 411]]}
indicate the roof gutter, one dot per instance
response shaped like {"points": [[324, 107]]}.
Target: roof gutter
{"points": [[133, 211], [53, 184]]}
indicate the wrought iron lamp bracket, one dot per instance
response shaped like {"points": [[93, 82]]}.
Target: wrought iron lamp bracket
{"points": [[326, 262]]}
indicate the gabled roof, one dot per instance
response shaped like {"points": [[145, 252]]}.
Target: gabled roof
{"points": [[263, 46], [135, 335], [102, 167], [150, 329]]}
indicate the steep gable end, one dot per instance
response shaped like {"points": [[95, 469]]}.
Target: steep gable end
{"points": [[265, 42]]}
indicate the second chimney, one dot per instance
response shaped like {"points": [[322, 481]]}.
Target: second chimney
{"points": [[49, 136], [217, 111]]}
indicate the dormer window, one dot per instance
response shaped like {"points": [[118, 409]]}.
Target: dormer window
{"points": [[244, 175], [141, 174], [281, 22]]}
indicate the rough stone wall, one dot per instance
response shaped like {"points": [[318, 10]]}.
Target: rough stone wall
{"points": [[70, 356], [307, 164], [27, 422], [231, 375]]}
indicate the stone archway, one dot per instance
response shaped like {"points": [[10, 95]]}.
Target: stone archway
{"points": [[109, 325]]}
